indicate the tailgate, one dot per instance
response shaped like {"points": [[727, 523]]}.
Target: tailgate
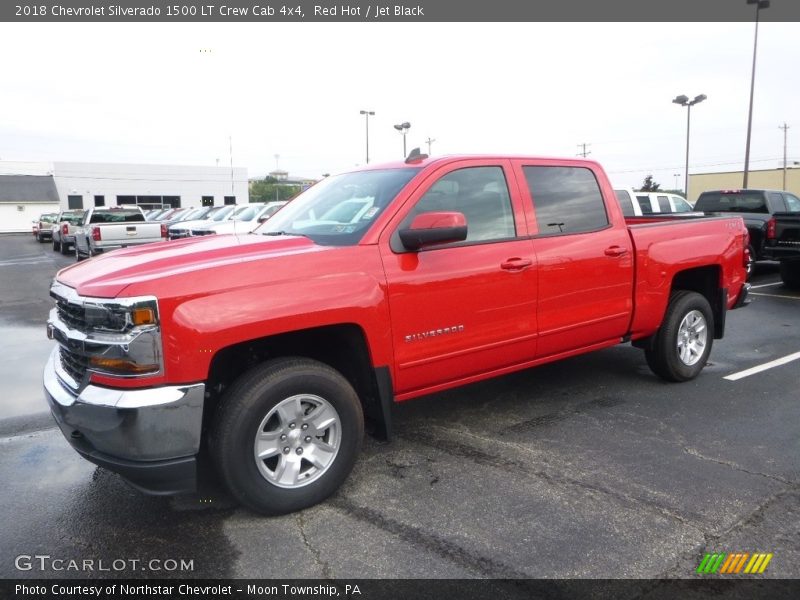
{"points": [[127, 232], [787, 230]]}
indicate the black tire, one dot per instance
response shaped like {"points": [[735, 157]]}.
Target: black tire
{"points": [[56, 246], [243, 413], [78, 257], [665, 356], [39, 238], [790, 274], [751, 265], [64, 248]]}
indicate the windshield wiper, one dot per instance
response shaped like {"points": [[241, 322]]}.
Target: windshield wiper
{"points": [[277, 233]]}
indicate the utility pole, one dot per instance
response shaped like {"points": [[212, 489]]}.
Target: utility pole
{"points": [[585, 152], [430, 141], [230, 147], [785, 128]]}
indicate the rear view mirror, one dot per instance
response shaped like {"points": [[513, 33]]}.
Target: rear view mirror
{"points": [[432, 228]]}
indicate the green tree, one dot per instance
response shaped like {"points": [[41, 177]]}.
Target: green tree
{"points": [[268, 189], [649, 185]]}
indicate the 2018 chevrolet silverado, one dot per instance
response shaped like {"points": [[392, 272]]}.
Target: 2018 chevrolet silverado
{"points": [[270, 350]]}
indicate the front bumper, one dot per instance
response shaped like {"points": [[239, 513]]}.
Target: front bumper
{"points": [[149, 436]]}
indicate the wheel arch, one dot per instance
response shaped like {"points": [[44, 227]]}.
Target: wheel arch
{"points": [[343, 347], [706, 282]]}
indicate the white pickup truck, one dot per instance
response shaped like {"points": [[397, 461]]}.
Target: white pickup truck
{"points": [[105, 229]]}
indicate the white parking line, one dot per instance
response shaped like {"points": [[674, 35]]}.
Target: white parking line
{"points": [[763, 285], [776, 296], [764, 367]]}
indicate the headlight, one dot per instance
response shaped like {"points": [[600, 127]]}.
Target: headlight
{"points": [[119, 318]]}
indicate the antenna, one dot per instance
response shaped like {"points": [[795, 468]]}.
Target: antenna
{"points": [[415, 156]]}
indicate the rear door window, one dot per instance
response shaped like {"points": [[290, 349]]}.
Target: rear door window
{"points": [[663, 204], [566, 200]]}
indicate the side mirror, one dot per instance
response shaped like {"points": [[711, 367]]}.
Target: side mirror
{"points": [[262, 219], [432, 228]]}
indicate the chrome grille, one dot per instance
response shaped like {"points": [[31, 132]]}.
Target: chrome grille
{"points": [[74, 364], [72, 315]]}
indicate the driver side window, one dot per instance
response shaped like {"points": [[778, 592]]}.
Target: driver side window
{"points": [[481, 194]]}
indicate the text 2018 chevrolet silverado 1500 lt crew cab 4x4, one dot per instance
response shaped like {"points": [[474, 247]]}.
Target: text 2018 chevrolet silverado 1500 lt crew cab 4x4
{"points": [[374, 286]]}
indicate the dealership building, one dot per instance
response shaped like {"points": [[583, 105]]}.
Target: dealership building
{"points": [[765, 179], [28, 189]]}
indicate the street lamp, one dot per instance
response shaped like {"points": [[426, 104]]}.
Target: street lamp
{"points": [[403, 129], [684, 101], [367, 114], [759, 5]]}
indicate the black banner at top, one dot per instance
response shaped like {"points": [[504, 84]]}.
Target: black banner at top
{"points": [[240, 11]]}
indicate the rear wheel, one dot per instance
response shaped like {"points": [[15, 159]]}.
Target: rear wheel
{"points": [[751, 263], [682, 345], [286, 435], [790, 273], [56, 245], [64, 248]]}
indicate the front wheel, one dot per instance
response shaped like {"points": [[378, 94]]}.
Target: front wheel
{"points": [[286, 435], [681, 347]]}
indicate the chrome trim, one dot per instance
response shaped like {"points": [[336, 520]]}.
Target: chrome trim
{"points": [[134, 424]]}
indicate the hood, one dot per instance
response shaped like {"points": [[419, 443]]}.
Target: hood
{"points": [[107, 275]]}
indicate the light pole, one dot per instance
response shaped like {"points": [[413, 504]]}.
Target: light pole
{"points": [[759, 5], [684, 101], [367, 114], [403, 129]]}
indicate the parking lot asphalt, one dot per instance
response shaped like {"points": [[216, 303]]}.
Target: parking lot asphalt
{"points": [[589, 467]]}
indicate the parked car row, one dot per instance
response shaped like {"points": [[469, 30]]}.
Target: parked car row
{"points": [[96, 230]]}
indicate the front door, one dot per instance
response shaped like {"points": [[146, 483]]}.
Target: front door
{"points": [[465, 308]]}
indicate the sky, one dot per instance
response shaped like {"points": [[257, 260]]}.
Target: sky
{"points": [[197, 93]]}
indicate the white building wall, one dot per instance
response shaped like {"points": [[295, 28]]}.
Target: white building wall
{"points": [[110, 180], [19, 216]]}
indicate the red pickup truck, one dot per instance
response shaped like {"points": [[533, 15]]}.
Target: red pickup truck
{"points": [[267, 352]]}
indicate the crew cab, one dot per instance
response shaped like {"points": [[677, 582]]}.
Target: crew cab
{"points": [[783, 241], [104, 229], [267, 352], [64, 229]]}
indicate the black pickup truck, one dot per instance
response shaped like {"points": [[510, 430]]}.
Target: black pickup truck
{"points": [[758, 208], [783, 244]]}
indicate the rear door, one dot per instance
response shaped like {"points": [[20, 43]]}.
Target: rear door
{"points": [[584, 261], [466, 308]]}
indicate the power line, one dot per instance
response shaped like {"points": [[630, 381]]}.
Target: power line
{"points": [[585, 152]]}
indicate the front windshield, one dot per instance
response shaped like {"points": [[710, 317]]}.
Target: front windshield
{"points": [[338, 210]]}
